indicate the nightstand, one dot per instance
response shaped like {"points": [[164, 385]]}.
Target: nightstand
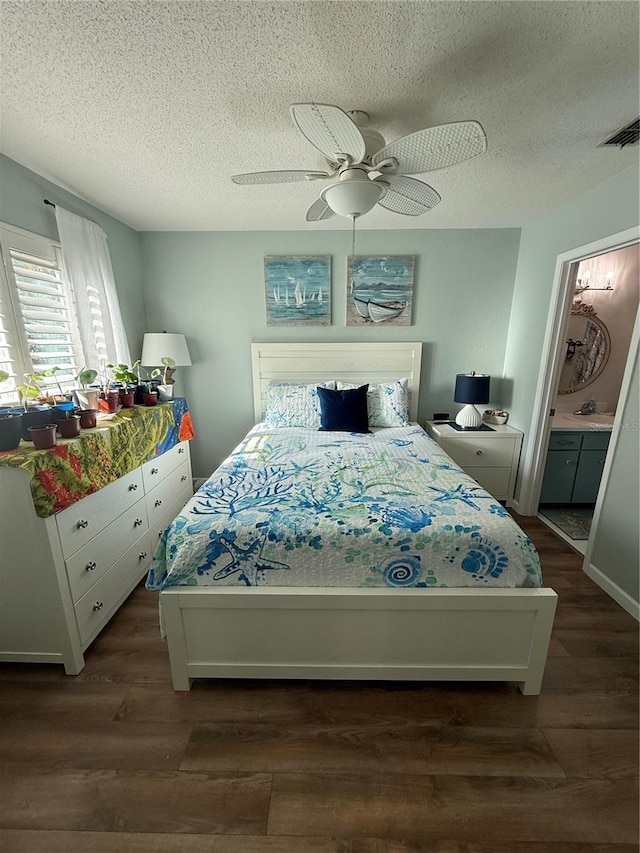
{"points": [[491, 458]]}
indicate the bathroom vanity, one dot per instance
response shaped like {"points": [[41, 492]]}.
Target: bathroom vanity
{"points": [[575, 458]]}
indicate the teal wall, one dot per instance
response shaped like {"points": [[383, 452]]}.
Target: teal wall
{"points": [[615, 551], [21, 204], [607, 209], [210, 286]]}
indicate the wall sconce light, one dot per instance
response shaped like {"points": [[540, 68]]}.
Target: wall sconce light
{"points": [[584, 282], [157, 346], [471, 388]]}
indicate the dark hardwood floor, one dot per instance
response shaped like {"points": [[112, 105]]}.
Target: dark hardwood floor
{"points": [[114, 761]]}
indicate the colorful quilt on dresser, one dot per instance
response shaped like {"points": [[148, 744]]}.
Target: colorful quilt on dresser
{"points": [[304, 508], [77, 467]]}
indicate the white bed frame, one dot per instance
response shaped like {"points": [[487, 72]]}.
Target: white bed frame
{"points": [[385, 634]]}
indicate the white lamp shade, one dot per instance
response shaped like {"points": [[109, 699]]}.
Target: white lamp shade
{"points": [[157, 346]]}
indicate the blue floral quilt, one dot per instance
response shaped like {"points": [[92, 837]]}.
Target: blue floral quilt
{"points": [[304, 508]]}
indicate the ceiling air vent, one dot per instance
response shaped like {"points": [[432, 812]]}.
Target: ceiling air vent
{"points": [[627, 135]]}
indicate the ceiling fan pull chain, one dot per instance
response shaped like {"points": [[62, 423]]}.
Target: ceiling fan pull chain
{"points": [[353, 236]]}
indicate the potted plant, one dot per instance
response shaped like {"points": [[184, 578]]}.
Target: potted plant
{"points": [[165, 390], [52, 399], [10, 423], [124, 374], [87, 397], [34, 415]]}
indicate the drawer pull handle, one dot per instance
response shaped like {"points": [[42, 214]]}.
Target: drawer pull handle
{"points": [[154, 470], [568, 461], [142, 555], [158, 503], [98, 606], [91, 565], [82, 523], [183, 478], [181, 450], [478, 453], [133, 487], [137, 522]]}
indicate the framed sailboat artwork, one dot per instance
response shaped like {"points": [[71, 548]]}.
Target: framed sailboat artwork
{"points": [[380, 290], [298, 290]]}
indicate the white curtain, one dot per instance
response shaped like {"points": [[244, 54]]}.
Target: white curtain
{"points": [[88, 266]]}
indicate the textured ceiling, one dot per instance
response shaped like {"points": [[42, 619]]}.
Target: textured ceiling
{"points": [[145, 109]]}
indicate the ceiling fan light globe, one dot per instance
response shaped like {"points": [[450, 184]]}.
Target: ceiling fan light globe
{"points": [[353, 198]]}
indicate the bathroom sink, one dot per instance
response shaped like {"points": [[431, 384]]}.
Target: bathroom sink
{"points": [[599, 418]]}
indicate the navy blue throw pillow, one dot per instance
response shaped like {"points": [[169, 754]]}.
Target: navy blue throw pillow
{"points": [[344, 411]]}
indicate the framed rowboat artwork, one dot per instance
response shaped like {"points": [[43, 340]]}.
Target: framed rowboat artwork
{"points": [[298, 290], [380, 290]]}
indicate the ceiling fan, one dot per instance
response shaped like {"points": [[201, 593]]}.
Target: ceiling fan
{"points": [[365, 170]]}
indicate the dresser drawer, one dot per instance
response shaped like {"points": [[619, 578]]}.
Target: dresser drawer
{"points": [[481, 452], [83, 520], [163, 520], [494, 480], [90, 562], [166, 492], [98, 605], [157, 469]]}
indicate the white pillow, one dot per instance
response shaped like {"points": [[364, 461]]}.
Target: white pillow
{"points": [[294, 405], [387, 403]]}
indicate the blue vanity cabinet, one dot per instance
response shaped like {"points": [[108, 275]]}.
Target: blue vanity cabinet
{"points": [[590, 466], [574, 466]]}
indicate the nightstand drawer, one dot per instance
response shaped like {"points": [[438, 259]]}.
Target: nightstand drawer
{"points": [[94, 559], [480, 452], [99, 604], [494, 480], [81, 521]]}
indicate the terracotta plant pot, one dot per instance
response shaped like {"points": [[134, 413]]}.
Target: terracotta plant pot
{"points": [[127, 399], [69, 427], [88, 418], [113, 398], [37, 416], [150, 398], [10, 430], [43, 437]]}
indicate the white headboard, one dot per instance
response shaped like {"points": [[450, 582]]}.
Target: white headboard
{"points": [[351, 362]]}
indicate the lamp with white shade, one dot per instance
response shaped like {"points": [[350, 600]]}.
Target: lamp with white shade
{"points": [[471, 388], [159, 345]]}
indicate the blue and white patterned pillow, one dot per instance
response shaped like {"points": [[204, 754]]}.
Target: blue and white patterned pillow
{"points": [[294, 405], [388, 403]]}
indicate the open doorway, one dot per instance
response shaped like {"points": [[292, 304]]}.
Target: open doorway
{"points": [[598, 326]]}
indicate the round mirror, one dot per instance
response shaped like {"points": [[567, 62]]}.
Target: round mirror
{"points": [[588, 347]]}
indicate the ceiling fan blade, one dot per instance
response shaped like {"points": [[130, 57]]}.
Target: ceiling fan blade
{"points": [[283, 177], [435, 147], [408, 195], [330, 130], [319, 210]]}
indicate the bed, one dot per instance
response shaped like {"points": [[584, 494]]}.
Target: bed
{"points": [[313, 554]]}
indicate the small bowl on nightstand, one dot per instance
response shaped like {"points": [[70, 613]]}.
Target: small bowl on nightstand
{"points": [[492, 416]]}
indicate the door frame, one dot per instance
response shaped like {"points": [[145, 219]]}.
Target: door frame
{"points": [[553, 353]]}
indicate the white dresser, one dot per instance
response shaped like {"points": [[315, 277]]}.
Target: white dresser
{"points": [[490, 457], [62, 578]]}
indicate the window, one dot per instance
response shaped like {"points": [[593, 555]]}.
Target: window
{"points": [[38, 322]]}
